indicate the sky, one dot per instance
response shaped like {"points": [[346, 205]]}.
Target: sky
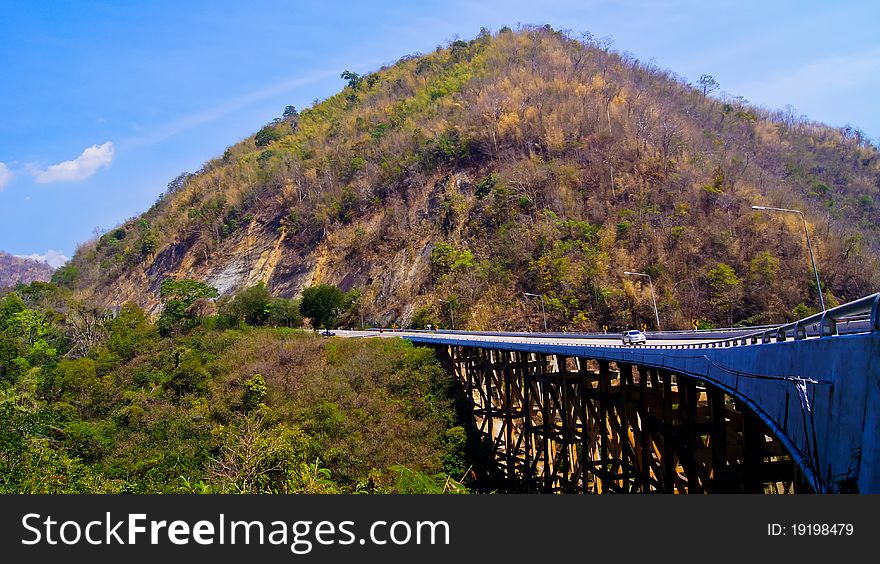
{"points": [[102, 103]]}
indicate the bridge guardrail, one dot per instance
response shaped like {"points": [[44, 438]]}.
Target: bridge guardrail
{"points": [[865, 311], [826, 322], [611, 335]]}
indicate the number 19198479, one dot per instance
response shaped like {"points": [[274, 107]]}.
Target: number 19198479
{"points": [[810, 529]]}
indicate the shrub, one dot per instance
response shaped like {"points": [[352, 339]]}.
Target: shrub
{"points": [[254, 392]]}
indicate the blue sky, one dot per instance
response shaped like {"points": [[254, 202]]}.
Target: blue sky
{"points": [[103, 102]]}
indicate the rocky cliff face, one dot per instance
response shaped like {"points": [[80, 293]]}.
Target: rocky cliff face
{"points": [[15, 270], [387, 253], [517, 162]]}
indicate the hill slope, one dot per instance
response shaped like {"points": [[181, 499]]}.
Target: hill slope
{"points": [[15, 270], [520, 162]]}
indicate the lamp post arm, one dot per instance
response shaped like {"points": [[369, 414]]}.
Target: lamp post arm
{"points": [[809, 246], [653, 297]]}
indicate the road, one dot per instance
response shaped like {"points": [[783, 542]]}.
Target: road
{"points": [[610, 340]]}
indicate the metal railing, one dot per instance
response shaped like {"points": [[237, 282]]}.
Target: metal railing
{"points": [[611, 334], [864, 311], [824, 324]]}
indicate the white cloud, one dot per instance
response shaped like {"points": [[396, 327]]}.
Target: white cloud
{"points": [[5, 176], [80, 168], [52, 257]]}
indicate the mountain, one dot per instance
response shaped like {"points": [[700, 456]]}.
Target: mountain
{"points": [[524, 161], [16, 270]]}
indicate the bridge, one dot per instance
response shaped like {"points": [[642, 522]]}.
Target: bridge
{"points": [[791, 408]]}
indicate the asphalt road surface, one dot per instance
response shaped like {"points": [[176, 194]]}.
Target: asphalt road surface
{"points": [[610, 340]]}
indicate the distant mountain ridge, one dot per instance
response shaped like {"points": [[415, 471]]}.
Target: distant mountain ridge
{"points": [[17, 270], [522, 161]]}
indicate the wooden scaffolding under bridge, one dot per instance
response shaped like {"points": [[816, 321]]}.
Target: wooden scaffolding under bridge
{"points": [[577, 425]]}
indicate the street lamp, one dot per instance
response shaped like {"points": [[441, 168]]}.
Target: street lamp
{"points": [[809, 245], [543, 311], [451, 316], [653, 299]]}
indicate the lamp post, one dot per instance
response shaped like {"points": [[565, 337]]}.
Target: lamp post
{"points": [[360, 310], [451, 316], [809, 245], [543, 311], [653, 299]]}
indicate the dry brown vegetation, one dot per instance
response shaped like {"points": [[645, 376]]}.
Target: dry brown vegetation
{"points": [[521, 161]]}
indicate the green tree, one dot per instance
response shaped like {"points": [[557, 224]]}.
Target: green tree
{"points": [[322, 304], [284, 313], [763, 268], [78, 382], [150, 242], [353, 308], [455, 457], [446, 258], [802, 310], [29, 325], [484, 186], [423, 317], [185, 290], [189, 374], [726, 290], [9, 351], [353, 79], [763, 284], [38, 293], [10, 305], [130, 332], [252, 306], [442, 258], [177, 296], [65, 276], [266, 135], [32, 330], [708, 84], [30, 464]]}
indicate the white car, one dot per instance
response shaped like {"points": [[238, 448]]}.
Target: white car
{"points": [[633, 337]]}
